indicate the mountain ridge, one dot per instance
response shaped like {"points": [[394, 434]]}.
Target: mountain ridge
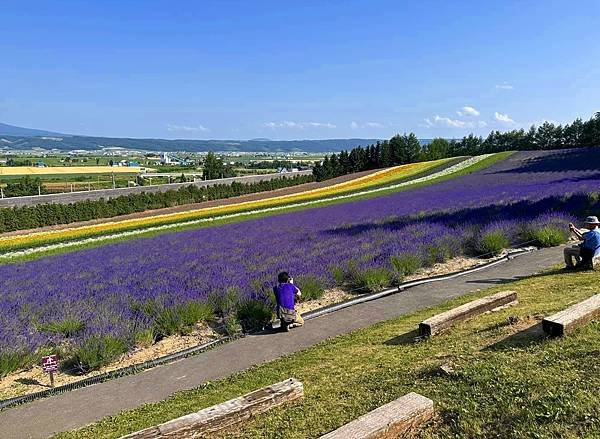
{"points": [[31, 138], [12, 130]]}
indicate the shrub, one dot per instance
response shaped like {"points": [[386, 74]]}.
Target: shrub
{"points": [[311, 287], [405, 264], [96, 352], [224, 304], [254, 314], [492, 243], [338, 275], [231, 325], [194, 312], [144, 338], [436, 253], [68, 327], [166, 322], [372, 279], [11, 361], [548, 236]]}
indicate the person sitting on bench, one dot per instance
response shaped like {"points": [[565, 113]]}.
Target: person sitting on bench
{"points": [[285, 294], [584, 252]]}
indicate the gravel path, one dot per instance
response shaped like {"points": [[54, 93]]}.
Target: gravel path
{"points": [[78, 408]]}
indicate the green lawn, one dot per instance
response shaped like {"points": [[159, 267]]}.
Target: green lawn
{"points": [[510, 380]]}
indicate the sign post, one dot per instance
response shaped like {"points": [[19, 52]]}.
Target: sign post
{"points": [[50, 365]]}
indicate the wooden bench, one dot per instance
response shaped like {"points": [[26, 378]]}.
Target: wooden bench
{"points": [[220, 416], [397, 419], [564, 322], [449, 318]]}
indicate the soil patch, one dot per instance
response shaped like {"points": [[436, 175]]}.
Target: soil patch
{"points": [[330, 297], [34, 379]]}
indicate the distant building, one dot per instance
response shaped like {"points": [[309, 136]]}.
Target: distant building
{"points": [[169, 159]]}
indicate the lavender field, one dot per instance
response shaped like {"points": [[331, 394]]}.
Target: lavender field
{"points": [[105, 298]]}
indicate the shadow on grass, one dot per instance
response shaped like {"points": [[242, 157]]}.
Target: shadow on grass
{"points": [[30, 382], [505, 280], [407, 338], [522, 339], [497, 280]]}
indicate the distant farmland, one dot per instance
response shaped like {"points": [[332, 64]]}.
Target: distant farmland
{"points": [[65, 170]]}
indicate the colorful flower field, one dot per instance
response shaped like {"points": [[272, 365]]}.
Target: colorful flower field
{"points": [[376, 179], [100, 301]]}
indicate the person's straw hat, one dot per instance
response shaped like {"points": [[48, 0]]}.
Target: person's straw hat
{"points": [[592, 220]]}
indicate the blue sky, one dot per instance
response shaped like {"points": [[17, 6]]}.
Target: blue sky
{"points": [[292, 70]]}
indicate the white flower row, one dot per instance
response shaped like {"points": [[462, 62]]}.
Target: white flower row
{"points": [[448, 171]]}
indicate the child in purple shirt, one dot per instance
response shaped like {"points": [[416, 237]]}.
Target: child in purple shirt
{"points": [[285, 295]]}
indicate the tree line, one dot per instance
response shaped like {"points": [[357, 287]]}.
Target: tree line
{"points": [[30, 217], [406, 148]]}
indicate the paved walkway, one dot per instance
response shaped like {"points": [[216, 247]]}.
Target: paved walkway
{"points": [[42, 418]]}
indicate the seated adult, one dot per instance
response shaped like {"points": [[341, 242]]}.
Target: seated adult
{"points": [[584, 252], [285, 295]]}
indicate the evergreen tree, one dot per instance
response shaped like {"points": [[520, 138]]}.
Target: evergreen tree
{"points": [[213, 167], [437, 149]]}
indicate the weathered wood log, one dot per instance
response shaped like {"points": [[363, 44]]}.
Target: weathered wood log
{"points": [[564, 322], [220, 416], [397, 419], [449, 318]]}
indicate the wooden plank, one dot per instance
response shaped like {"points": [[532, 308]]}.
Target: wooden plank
{"points": [[399, 418], [449, 318], [220, 416], [564, 322]]}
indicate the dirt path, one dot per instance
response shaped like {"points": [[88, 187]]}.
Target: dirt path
{"points": [[186, 207]]}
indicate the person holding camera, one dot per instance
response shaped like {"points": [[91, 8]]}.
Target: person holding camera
{"points": [[584, 252], [286, 294]]}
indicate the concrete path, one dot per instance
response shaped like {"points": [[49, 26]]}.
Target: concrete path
{"points": [[42, 418]]}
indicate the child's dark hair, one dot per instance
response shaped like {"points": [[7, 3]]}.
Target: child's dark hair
{"points": [[283, 277]]}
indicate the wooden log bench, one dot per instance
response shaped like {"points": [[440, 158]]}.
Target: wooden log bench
{"points": [[442, 321], [564, 322], [220, 416], [399, 418]]}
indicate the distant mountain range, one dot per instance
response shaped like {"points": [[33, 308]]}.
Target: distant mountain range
{"points": [[10, 130], [17, 138]]}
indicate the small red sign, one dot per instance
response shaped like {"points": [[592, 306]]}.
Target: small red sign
{"points": [[50, 363]]}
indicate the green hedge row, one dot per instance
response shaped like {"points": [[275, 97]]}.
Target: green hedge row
{"points": [[31, 217]]}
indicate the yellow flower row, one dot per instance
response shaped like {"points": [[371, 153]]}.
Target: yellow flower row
{"points": [[374, 179]]}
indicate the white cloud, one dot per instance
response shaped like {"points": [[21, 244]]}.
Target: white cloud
{"points": [[503, 118], [355, 125], [321, 125], [187, 128], [446, 122], [468, 111], [297, 125], [504, 86], [439, 121]]}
